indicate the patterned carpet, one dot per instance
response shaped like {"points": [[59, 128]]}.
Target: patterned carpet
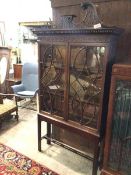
{"points": [[14, 163]]}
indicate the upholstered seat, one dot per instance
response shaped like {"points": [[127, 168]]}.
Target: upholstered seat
{"points": [[7, 107]]}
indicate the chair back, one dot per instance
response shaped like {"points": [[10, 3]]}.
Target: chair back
{"points": [[30, 76]]}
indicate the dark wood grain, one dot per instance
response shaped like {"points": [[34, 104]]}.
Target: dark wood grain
{"points": [[60, 3], [120, 72], [111, 12]]}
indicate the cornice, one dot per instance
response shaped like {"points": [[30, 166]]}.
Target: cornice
{"points": [[113, 30]]}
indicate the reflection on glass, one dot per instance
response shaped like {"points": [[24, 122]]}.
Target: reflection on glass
{"points": [[120, 150], [3, 69], [53, 80], [86, 69]]}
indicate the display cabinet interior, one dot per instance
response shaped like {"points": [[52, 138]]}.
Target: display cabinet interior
{"points": [[83, 73]]}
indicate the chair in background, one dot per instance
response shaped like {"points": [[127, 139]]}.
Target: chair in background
{"points": [[29, 84], [8, 107]]}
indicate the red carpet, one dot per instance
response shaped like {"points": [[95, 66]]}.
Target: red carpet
{"points": [[14, 163]]}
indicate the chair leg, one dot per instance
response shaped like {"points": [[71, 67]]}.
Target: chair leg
{"points": [[17, 116], [0, 124]]}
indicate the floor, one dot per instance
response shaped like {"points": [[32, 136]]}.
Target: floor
{"points": [[22, 137]]}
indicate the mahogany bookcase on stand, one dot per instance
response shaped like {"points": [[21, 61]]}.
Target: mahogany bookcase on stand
{"points": [[75, 65]]}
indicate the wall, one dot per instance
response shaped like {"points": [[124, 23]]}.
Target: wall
{"points": [[111, 12]]}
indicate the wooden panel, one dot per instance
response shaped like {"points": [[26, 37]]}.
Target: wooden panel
{"points": [[111, 12], [111, 15], [17, 71], [118, 69], [74, 140], [58, 12], [60, 3]]}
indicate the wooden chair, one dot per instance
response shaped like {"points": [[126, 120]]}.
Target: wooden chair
{"points": [[8, 107]]}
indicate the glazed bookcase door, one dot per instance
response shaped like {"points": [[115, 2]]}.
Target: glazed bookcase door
{"points": [[52, 79], [117, 150], [119, 159], [86, 83]]}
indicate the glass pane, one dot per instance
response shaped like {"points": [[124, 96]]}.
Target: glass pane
{"points": [[86, 69], [120, 151], [52, 79]]}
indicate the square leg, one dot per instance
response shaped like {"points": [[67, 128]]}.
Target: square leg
{"points": [[39, 133]]}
